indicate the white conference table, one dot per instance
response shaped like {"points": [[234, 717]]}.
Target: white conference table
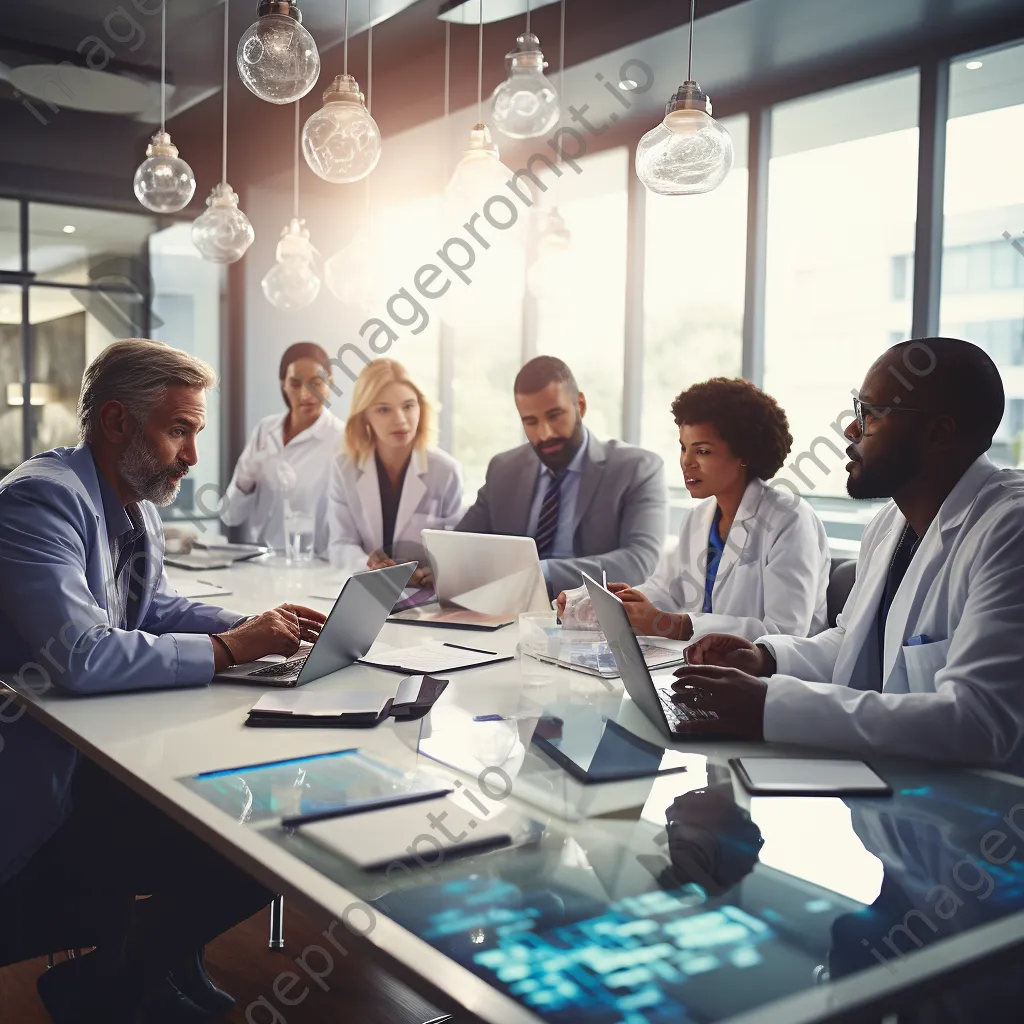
{"points": [[149, 741]]}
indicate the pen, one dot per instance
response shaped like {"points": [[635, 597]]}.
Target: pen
{"points": [[604, 579], [475, 650]]}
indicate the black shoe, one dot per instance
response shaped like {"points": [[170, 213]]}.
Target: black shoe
{"points": [[190, 977], [166, 1004], [85, 990]]}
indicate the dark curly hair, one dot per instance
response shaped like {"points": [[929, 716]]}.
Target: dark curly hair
{"points": [[749, 421]]}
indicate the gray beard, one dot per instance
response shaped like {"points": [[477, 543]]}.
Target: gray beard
{"points": [[148, 478]]}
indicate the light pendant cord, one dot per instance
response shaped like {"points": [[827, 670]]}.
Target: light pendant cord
{"points": [[529, 11], [345, 59], [163, 66], [369, 62], [561, 94], [447, 90], [224, 116], [295, 173], [369, 101], [480, 70], [689, 63]]}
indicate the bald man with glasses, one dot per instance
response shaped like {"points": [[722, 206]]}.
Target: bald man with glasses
{"points": [[927, 655]]}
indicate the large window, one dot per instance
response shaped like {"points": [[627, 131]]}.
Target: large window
{"points": [[982, 268], [581, 292], [841, 208], [695, 269]]}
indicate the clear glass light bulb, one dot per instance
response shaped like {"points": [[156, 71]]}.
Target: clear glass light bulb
{"points": [[353, 273], [689, 152], [164, 183], [525, 105], [292, 282], [554, 272], [277, 58], [341, 142], [222, 232], [479, 175]]}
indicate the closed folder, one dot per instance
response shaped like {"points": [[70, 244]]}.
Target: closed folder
{"points": [[346, 710]]}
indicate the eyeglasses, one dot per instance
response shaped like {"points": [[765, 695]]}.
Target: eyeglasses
{"points": [[864, 409]]}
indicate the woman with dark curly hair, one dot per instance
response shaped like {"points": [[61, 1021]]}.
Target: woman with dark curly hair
{"points": [[750, 560]]}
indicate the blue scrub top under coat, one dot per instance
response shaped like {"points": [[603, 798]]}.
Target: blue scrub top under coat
{"points": [[715, 548]]}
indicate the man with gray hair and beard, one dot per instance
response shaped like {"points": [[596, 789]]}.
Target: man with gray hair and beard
{"points": [[85, 608]]}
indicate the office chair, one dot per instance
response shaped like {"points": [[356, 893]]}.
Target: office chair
{"points": [[840, 582]]}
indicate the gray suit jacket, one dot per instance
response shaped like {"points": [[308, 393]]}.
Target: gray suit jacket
{"points": [[621, 511]]}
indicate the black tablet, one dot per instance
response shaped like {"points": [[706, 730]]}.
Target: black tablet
{"points": [[603, 751]]}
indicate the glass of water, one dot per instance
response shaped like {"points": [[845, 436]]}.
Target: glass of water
{"points": [[298, 533]]}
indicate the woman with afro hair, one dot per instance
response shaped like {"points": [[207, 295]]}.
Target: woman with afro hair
{"points": [[750, 560]]}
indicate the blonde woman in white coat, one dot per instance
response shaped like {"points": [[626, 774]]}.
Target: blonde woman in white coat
{"points": [[389, 484], [288, 456], [750, 560]]}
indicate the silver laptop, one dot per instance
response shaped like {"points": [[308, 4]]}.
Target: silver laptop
{"points": [[596, 659], [355, 620], [480, 579], [654, 701]]}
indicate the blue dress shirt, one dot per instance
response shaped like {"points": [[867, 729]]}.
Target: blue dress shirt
{"points": [[562, 547], [715, 548]]}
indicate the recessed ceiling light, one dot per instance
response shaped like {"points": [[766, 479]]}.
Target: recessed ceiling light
{"points": [[69, 229], [627, 85], [973, 65]]}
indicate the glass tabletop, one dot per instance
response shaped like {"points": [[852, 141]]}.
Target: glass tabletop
{"points": [[692, 902]]}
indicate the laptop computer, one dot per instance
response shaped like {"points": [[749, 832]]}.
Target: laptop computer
{"points": [[481, 581], [595, 657], [355, 620], [654, 701]]}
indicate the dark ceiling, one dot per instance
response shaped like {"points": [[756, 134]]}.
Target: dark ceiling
{"points": [[749, 49]]}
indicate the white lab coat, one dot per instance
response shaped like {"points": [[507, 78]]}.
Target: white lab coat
{"points": [[431, 499], [310, 454], [772, 575], [959, 698]]}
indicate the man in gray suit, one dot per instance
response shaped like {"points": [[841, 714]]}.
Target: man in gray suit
{"points": [[589, 504]]}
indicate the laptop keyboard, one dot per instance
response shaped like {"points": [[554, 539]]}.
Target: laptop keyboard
{"points": [[652, 653], [281, 668], [679, 714]]}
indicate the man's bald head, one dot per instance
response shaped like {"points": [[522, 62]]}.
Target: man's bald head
{"points": [[930, 406], [953, 378]]}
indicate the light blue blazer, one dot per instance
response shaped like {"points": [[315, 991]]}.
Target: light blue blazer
{"points": [[55, 631]]}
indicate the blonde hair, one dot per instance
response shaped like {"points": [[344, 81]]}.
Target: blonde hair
{"points": [[360, 442], [137, 372]]}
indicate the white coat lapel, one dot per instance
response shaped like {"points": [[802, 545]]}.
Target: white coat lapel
{"points": [[414, 488], [739, 533], [871, 575], [693, 563], [929, 561], [368, 492]]}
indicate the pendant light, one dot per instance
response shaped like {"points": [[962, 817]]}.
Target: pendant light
{"points": [[341, 141], [525, 106], [689, 152], [480, 173], [292, 282], [222, 232], [164, 183], [554, 271], [351, 273], [277, 58]]}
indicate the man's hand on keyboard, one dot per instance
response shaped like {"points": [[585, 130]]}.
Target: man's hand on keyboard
{"points": [[278, 631], [736, 698]]}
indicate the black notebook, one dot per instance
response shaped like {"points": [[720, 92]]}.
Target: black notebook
{"points": [[346, 709]]}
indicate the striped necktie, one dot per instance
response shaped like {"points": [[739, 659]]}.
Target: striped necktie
{"points": [[547, 521]]}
